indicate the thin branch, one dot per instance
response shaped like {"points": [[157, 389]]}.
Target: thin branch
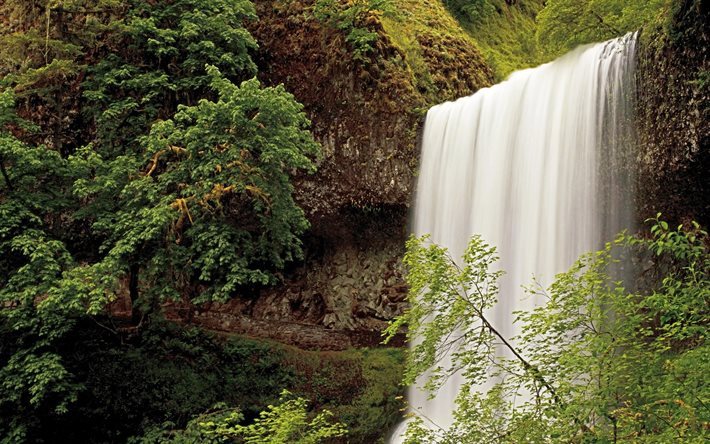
{"points": [[103, 326], [529, 367], [605, 24]]}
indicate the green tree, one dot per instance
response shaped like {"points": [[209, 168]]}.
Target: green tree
{"points": [[155, 59], [565, 24], [195, 198], [602, 362], [209, 205], [43, 290]]}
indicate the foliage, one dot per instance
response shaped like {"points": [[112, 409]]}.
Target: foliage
{"points": [[214, 202], [598, 362], [284, 423], [504, 31], [44, 49], [565, 24], [351, 18], [377, 408], [474, 11], [37, 301], [115, 179], [165, 376], [156, 60]]}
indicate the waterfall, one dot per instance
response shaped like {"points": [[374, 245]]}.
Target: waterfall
{"points": [[540, 166]]}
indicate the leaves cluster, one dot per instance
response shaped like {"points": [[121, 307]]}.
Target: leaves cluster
{"points": [[601, 360], [565, 24], [210, 199], [288, 422]]}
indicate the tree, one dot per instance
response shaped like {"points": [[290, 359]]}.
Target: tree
{"points": [[43, 289], [155, 59], [565, 24], [178, 176], [209, 205], [602, 362]]}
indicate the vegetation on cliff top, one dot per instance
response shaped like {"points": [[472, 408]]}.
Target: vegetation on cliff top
{"points": [[524, 33]]}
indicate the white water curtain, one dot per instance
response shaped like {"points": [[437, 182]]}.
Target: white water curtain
{"points": [[539, 166]]}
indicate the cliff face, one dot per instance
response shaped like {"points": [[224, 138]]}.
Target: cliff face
{"points": [[365, 110], [673, 114], [366, 114]]}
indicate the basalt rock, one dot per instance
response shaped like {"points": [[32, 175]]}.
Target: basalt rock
{"points": [[673, 115]]}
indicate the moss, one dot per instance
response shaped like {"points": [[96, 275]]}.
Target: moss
{"points": [[445, 61], [505, 33]]}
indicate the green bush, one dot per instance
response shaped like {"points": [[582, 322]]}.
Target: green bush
{"points": [[351, 18], [167, 376]]}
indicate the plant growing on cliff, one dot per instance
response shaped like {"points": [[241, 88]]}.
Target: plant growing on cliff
{"points": [[155, 59], [565, 24], [353, 19], [599, 362]]}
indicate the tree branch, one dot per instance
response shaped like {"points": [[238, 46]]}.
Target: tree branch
{"points": [[605, 24], [5, 175]]}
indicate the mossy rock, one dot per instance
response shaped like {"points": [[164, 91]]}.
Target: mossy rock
{"points": [[366, 113]]}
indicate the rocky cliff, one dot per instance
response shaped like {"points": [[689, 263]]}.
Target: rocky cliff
{"points": [[673, 114], [366, 113]]}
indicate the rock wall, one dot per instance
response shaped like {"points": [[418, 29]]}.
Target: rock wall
{"points": [[341, 296], [673, 115], [366, 115]]}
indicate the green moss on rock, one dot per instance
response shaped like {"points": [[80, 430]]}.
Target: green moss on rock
{"points": [[366, 113]]}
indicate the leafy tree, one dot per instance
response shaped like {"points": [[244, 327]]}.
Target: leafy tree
{"points": [[209, 202], [155, 60], [565, 24], [42, 289], [197, 198], [601, 362]]}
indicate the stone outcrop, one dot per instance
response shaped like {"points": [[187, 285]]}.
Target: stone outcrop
{"points": [[673, 115], [366, 114], [341, 296]]}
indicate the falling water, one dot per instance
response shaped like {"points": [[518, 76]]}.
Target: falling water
{"points": [[538, 166]]}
